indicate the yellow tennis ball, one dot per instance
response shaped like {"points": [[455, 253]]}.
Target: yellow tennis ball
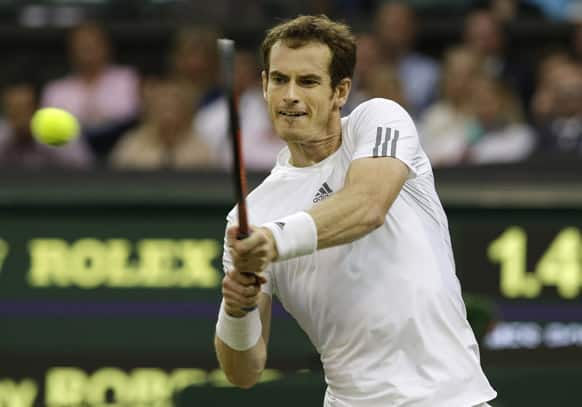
{"points": [[53, 126]]}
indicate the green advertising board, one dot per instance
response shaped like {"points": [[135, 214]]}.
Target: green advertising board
{"points": [[109, 290]]}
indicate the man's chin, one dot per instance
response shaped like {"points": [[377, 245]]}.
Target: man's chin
{"points": [[289, 133]]}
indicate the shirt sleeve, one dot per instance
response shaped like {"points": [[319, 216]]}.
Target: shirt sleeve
{"points": [[227, 266], [382, 128]]}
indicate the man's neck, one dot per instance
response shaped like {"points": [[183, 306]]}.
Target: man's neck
{"points": [[91, 75], [312, 152]]}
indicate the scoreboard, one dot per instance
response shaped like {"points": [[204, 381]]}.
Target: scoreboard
{"points": [[110, 283], [528, 263]]}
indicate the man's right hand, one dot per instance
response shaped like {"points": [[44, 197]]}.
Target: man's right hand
{"points": [[241, 291]]}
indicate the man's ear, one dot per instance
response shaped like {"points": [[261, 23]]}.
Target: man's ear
{"points": [[342, 91], [264, 80]]}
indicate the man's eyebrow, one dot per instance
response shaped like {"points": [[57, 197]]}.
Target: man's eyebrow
{"points": [[276, 73]]}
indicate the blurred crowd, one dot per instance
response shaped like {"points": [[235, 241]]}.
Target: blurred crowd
{"points": [[476, 104]]}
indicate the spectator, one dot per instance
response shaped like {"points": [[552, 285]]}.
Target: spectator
{"points": [[498, 133], [484, 35], [104, 97], [396, 30], [543, 100], [259, 141], [367, 57], [19, 149], [165, 139], [194, 64], [559, 116], [444, 126]]}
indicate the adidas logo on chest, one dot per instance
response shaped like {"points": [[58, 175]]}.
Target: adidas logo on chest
{"points": [[322, 193]]}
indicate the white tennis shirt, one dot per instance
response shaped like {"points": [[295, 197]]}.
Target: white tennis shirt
{"points": [[385, 312]]}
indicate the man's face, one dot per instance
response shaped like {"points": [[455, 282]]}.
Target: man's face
{"points": [[483, 34], [395, 28], [487, 101], [89, 49], [298, 91], [19, 104], [566, 85], [196, 61]]}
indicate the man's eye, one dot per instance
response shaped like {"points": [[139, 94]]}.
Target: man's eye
{"points": [[278, 79], [309, 82]]}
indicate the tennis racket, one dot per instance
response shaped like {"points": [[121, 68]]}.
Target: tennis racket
{"points": [[226, 48]]}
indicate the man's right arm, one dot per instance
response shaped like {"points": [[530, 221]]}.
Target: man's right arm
{"points": [[244, 368]]}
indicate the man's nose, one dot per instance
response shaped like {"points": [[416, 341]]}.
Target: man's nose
{"points": [[291, 96]]}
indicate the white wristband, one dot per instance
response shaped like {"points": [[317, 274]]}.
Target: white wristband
{"points": [[295, 235], [239, 333]]}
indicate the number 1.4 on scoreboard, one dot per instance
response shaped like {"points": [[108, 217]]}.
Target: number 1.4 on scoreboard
{"points": [[559, 266]]}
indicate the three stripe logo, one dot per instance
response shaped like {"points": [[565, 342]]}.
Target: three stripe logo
{"points": [[323, 192], [385, 142]]}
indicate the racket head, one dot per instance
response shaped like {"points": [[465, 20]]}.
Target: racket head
{"points": [[226, 50]]}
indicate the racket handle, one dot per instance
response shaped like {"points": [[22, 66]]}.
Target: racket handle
{"points": [[243, 235], [249, 309]]}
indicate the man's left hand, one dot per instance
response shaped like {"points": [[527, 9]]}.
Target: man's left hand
{"points": [[254, 253]]}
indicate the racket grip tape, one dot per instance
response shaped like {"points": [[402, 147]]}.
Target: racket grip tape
{"points": [[240, 236]]}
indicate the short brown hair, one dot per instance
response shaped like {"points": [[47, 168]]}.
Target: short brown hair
{"points": [[305, 29]]}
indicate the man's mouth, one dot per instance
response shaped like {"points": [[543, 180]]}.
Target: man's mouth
{"points": [[287, 113]]}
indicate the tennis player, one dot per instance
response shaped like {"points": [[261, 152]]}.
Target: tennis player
{"points": [[352, 238]]}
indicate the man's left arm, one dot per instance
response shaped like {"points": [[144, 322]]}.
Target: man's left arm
{"points": [[371, 186]]}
